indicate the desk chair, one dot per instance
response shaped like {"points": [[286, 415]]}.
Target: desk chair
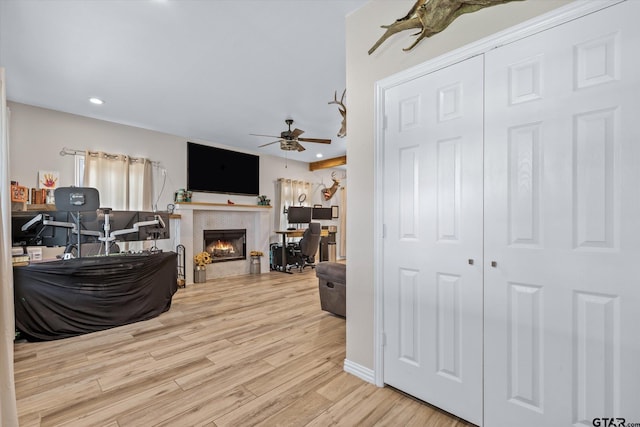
{"points": [[302, 254], [84, 201]]}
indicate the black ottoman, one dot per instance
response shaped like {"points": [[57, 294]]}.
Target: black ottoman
{"points": [[332, 287]]}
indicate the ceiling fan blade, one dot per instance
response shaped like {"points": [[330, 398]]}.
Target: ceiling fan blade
{"points": [[300, 147], [269, 143], [258, 134], [318, 140], [296, 133]]}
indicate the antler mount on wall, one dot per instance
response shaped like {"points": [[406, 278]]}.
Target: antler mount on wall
{"points": [[328, 192], [431, 17], [342, 109]]}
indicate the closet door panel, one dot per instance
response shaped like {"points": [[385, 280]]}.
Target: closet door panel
{"points": [[561, 224], [433, 222]]}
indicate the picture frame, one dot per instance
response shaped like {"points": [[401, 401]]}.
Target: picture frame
{"points": [[335, 210], [48, 180], [19, 193]]}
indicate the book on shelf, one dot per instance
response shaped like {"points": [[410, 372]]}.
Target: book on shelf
{"points": [[38, 196]]}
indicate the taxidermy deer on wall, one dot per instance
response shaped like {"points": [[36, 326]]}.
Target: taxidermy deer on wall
{"points": [[328, 193], [431, 17], [343, 112]]}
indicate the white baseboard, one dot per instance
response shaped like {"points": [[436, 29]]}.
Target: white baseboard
{"points": [[359, 371]]}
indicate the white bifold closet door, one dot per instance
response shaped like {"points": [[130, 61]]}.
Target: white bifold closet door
{"points": [[511, 255], [433, 238], [562, 224]]}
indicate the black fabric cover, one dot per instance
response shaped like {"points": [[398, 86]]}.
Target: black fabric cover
{"points": [[66, 298]]}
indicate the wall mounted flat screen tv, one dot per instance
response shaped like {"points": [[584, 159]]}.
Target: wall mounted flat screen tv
{"points": [[216, 170]]}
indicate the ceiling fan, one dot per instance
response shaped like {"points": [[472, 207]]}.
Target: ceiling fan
{"points": [[290, 139]]}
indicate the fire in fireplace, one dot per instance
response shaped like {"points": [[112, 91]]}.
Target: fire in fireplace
{"points": [[226, 245]]}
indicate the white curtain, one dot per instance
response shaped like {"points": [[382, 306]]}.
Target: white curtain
{"points": [[8, 409], [291, 193], [140, 185], [124, 183]]}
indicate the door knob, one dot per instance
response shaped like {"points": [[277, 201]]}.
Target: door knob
{"points": [[494, 264], [471, 261]]}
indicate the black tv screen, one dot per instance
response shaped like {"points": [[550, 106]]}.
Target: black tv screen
{"points": [[216, 170]]}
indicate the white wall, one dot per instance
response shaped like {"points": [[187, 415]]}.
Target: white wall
{"points": [[37, 135], [363, 71]]}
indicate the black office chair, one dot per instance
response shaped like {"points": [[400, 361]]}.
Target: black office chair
{"points": [[82, 202], [302, 254]]}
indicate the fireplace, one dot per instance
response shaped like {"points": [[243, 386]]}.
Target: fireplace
{"points": [[226, 245]]}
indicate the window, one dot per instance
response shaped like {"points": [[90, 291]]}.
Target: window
{"points": [[78, 179]]}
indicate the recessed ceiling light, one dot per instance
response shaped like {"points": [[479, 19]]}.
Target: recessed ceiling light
{"points": [[319, 155], [96, 101]]}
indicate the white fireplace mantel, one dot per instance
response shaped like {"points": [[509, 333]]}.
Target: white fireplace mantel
{"points": [[195, 217]]}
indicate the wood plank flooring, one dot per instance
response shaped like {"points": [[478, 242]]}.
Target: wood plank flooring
{"points": [[251, 350]]}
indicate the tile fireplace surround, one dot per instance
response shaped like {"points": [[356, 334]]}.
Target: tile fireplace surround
{"points": [[197, 217]]}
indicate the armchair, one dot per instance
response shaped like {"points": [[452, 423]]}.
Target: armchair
{"points": [[332, 284], [302, 254]]}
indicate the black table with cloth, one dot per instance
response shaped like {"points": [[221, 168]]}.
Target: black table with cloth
{"points": [[65, 298]]}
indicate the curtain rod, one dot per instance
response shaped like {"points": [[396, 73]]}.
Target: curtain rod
{"points": [[70, 151], [74, 152]]}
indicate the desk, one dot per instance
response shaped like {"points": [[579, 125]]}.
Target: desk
{"points": [[66, 298], [293, 233]]}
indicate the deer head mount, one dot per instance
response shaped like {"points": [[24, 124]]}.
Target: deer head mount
{"points": [[327, 193], [343, 112], [431, 17]]}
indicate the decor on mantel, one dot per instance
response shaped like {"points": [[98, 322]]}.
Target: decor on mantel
{"points": [[200, 269], [431, 17], [182, 195], [263, 201], [343, 112]]}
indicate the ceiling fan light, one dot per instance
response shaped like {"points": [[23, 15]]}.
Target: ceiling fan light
{"points": [[289, 139]]}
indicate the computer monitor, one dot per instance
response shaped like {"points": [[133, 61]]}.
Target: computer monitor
{"points": [[154, 232], [299, 215], [121, 220], [38, 234], [321, 213], [88, 223]]}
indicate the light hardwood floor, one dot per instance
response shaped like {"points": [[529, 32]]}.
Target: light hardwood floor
{"points": [[242, 351]]}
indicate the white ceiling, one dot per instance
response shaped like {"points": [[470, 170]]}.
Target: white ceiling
{"points": [[212, 70]]}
